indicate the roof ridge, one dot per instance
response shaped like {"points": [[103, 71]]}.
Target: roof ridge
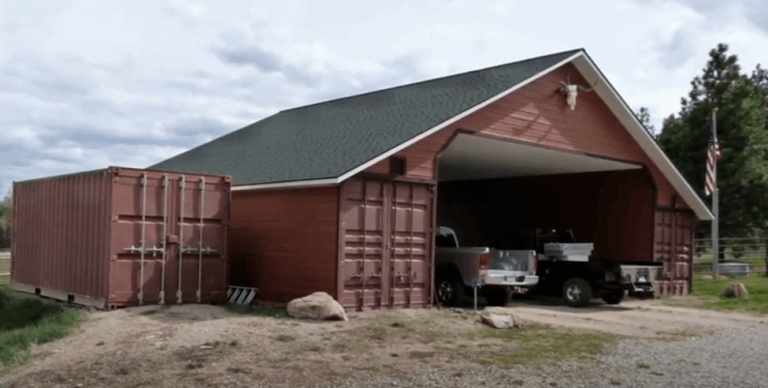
{"points": [[433, 79]]}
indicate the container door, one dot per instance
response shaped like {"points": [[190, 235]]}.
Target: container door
{"points": [[199, 260], [168, 239], [674, 248], [385, 249], [411, 242], [363, 233]]}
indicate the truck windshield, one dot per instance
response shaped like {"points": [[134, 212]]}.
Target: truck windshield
{"points": [[444, 240]]}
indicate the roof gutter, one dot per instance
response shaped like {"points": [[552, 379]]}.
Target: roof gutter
{"points": [[289, 185]]}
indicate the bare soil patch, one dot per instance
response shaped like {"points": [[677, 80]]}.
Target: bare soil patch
{"points": [[201, 346]]}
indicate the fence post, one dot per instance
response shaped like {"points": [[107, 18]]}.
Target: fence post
{"points": [[766, 256]]}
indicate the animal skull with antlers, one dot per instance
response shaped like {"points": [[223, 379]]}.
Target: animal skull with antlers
{"points": [[572, 90]]}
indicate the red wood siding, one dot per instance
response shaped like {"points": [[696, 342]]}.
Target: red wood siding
{"points": [[538, 115], [284, 242]]}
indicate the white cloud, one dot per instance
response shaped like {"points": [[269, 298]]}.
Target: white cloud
{"points": [[88, 84]]}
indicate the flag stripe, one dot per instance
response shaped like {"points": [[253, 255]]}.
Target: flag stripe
{"points": [[713, 155]]}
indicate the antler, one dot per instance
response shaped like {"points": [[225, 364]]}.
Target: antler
{"points": [[592, 87]]}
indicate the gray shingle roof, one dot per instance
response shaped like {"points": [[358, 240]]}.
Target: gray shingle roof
{"points": [[328, 139]]}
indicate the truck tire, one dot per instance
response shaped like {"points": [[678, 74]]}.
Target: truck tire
{"points": [[496, 296], [449, 289], [613, 297], [577, 292]]}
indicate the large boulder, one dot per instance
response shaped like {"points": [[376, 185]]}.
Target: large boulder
{"points": [[500, 318], [735, 290], [319, 306]]}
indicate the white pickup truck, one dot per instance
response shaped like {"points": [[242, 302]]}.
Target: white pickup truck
{"points": [[495, 271]]}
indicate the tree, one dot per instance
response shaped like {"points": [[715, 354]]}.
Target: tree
{"points": [[645, 118], [6, 220], [742, 131]]}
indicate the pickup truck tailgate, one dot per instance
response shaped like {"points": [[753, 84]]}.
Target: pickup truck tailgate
{"points": [[513, 260]]}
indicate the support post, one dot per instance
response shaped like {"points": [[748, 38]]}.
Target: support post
{"points": [[715, 195]]}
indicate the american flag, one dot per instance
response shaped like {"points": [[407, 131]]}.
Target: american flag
{"points": [[713, 155]]}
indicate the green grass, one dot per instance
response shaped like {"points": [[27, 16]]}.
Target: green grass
{"points": [[264, 311], [709, 291], [540, 343], [24, 321], [5, 267]]}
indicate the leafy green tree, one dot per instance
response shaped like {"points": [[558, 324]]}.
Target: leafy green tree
{"points": [[742, 130]]}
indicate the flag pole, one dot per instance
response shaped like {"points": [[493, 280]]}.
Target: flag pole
{"points": [[715, 210]]}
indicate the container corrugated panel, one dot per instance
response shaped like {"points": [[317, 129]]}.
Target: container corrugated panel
{"points": [[385, 244], [674, 248], [116, 237]]}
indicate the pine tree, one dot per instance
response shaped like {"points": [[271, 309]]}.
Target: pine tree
{"points": [[743, 134]]}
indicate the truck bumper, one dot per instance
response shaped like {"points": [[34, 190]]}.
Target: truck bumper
{"points": [[506, 278]]}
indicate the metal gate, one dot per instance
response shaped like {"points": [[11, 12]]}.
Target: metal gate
{"points": [[385, 244], [674, 248]]}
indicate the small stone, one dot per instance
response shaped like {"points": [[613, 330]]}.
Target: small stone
{"points": [[501, 318], [735, 290]]}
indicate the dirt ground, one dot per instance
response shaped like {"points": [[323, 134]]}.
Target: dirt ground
{"points": [[201, 345]]}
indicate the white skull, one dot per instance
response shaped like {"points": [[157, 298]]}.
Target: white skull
{"points": [[571, 92]]}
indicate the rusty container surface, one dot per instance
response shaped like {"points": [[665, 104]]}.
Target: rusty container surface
{"points": [[122, 237], [674, 249], [385, 244]]}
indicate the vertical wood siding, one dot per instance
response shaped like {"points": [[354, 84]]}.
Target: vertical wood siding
{"points": [[284, 242]]}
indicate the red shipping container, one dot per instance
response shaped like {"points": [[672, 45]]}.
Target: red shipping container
{"points": [[122, 237]]}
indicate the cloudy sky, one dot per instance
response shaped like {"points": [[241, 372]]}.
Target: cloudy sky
{"points": [[88, 84]]}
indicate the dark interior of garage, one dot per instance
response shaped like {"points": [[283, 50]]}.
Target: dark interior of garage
{"points": [[612, 209]]}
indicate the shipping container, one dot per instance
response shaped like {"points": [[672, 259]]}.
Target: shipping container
{"points": [[121, 237]]}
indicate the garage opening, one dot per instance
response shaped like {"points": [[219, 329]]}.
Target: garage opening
{"points": [[507, 195]]}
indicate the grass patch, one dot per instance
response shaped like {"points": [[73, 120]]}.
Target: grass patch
{"points": [[643, 365], [285, 338], [421, 355], [25, 321], [264, 311], [707, 293], [538, 343], [615, 382]]}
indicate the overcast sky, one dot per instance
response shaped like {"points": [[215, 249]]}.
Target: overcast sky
{"points": [[88, 84]]}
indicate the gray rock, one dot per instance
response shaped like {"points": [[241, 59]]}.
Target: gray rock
{"points": [[500, 318], [736, 290], [319, 306]]}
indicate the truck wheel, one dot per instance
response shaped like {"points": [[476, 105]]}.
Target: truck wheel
{"points": [[613, 297], [496, 296], [449, 289], [577, 292]]}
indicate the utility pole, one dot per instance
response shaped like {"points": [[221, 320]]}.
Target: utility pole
{"points": [[715, 210]]}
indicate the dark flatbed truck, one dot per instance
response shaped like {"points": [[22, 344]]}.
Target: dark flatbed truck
{"points": [[580, 281]]}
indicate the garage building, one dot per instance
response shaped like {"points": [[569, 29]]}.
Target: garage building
{"points": [[344, 196]]}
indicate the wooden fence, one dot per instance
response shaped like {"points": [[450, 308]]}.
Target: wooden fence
{"points": [[750, 251]]}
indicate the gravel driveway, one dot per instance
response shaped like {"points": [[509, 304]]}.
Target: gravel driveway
{"points": [[713, 349], [726, 358]]}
